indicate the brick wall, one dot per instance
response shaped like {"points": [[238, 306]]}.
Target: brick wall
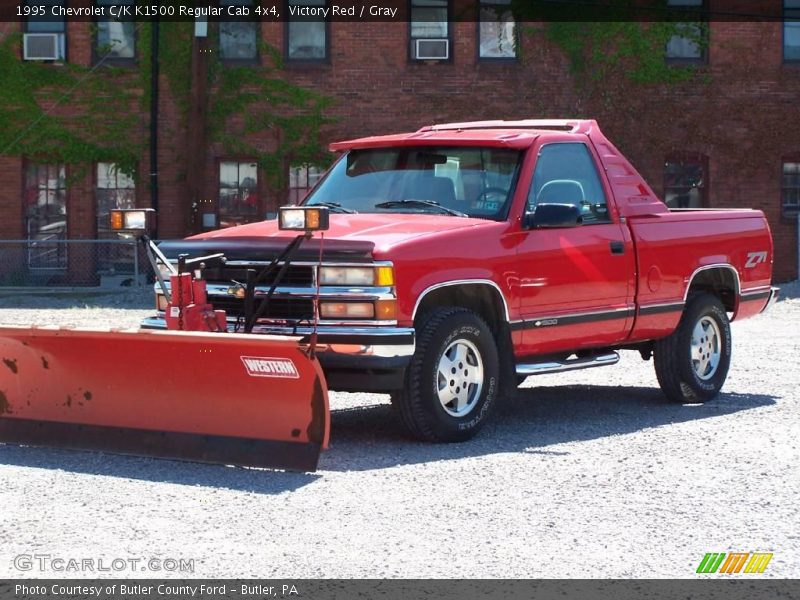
{"points": [[743, 115], [11, 198]]}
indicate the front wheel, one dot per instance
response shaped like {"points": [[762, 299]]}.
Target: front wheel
{"points": [[452, 381], [692, 363]]}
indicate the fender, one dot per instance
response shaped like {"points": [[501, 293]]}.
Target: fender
{"points": [[728, 266], [437, 286]]}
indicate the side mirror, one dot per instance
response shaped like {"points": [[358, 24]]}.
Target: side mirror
{"points": [[549, 216]]}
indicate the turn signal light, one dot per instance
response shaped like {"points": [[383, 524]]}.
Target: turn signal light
{"points": [[386, 310], [117, 220], [384, 276]]}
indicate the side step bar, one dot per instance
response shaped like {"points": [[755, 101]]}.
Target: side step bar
{"points": [[586, 362]]}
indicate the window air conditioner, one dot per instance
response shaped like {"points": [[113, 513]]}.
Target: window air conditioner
{"points": [[43, 46], [432, 49]]}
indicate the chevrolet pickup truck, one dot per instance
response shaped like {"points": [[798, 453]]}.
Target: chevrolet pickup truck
{"points": [[464, 257]]}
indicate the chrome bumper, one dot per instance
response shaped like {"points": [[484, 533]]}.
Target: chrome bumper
{"points": [[771, 299], [363, 343]]}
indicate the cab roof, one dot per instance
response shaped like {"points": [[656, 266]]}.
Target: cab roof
{"points": [[504, 134]]}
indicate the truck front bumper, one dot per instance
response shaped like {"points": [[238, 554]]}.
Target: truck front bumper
{"points": [[355, 359]]}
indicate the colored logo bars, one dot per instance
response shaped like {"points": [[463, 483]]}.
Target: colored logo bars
{"points": [[716, 562]]}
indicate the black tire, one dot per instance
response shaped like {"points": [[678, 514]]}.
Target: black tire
{"points": [[685, 362], [421, 403]]}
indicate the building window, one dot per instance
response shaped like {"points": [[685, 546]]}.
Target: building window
{"points": [[685, 181], [790, 193], [238, 193], [302, 178], [791, 30], [238, 40], [430, 30], [691, 40], [45, 197], [115, 39], [497, 31], [306, 31], [45, 34]]}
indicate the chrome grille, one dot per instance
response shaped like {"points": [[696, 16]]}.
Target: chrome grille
{"points": [[279, 308], [295, 275]]}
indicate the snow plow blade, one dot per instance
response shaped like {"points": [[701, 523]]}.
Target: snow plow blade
{"points": [[233, 399]]}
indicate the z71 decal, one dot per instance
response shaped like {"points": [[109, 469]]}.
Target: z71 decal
{"points": [[754, 258]]}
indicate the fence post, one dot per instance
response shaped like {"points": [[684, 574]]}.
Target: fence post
{"points": [[136, 264]]}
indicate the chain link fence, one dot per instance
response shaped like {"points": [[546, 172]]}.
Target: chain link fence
{"points": [[109, 265]]}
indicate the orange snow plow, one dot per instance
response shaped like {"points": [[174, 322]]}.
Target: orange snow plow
{"points": [[194, 392]]}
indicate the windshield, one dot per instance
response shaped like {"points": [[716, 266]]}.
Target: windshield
{"points": [[457, 181]]}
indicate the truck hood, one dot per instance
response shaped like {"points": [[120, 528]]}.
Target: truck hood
{"points": [[379, 231]]}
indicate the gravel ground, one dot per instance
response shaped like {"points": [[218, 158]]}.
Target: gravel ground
{"points": [[584, 474]]}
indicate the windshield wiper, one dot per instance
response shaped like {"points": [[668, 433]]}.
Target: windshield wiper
{"points": [[415, 202], [335, 207]]}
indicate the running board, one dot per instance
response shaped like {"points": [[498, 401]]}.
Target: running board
{"points": [[586, 362]]}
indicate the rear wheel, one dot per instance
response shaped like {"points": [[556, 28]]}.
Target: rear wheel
{"points": [[692, 363], [452, 381]]}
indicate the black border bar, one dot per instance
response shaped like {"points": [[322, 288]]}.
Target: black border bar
{"points": [[398, 11], [699, 587]]}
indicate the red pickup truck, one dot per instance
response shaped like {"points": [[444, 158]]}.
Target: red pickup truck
{"points": [[462, 258]]}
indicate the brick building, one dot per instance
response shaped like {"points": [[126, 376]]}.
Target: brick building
{"points": [[729, 137]]}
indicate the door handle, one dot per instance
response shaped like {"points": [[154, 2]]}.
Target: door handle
{"points": [[617, 247]]}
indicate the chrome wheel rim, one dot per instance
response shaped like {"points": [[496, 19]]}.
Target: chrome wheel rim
{"points": [[706, 348], [459, 378]]}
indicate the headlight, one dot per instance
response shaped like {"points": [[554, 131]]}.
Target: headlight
{"points": [[133, 219], [303, 218], [383, 276], [346, 276]]}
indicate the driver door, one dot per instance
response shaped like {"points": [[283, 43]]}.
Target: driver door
{"points": [[575, 282]]}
